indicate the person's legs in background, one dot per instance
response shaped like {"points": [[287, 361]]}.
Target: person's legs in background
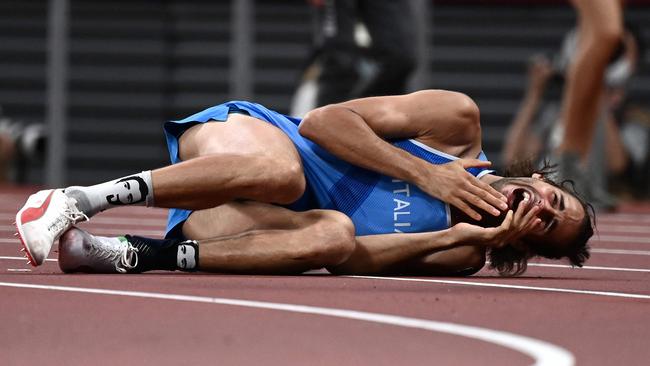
{"points": [[600, 24]]}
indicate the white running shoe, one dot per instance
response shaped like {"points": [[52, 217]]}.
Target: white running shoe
{"points": [[80, 251], [46, 215]]}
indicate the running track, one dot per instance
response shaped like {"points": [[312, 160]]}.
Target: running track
{"points": [[553, 315]]}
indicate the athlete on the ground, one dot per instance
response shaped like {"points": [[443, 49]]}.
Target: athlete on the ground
{"points": [[394, 184]]}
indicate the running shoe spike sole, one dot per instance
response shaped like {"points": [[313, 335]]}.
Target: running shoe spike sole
{"points": [[24, 249]]}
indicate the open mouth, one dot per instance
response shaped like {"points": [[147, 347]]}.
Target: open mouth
{"points": [[517, 197]]}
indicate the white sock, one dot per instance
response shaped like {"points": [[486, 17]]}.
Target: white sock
{"points": [[131, 190]]}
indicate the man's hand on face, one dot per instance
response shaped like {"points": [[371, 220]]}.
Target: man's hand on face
{"points": [[514, 227], [453, 184]]}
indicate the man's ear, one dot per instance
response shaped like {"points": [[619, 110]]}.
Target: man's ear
{"points": [[537, 176]]}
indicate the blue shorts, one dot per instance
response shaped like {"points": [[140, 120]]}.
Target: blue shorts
{"points": [[174, 130]]}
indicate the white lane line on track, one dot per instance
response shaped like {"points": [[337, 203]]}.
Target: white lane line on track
{"points": [[620, 239], [621, 221], [500, 285], [620, 251], [618, 217], [25, 259], [19, 270], [120, 231], [631, 229], [9, 213], [544, 354], [104, 231], [104, 220], [157, 233], [130, 221], [549, 265], [529, 264]]}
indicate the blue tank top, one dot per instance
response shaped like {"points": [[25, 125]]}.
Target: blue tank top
{"points": [[377, 204]]}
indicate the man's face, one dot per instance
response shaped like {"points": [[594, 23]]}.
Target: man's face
{"points": [[561, 212]]}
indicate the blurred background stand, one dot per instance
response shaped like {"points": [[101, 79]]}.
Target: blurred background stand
{"points": [[133, 64]]}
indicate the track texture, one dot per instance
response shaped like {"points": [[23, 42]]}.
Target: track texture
{"points": [[598, 315]]}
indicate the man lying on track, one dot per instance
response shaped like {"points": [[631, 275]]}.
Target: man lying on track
{"points": [[381, 185]]}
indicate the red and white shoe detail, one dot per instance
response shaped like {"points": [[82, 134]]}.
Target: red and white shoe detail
{"points": [[44, 217]]}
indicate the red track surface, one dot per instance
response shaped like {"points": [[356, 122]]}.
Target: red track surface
{"points": [[63, 326]]}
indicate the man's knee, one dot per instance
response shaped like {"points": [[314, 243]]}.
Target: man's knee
{"points": [[602, 31], [612, 33], [287, 180], [332, 238]]}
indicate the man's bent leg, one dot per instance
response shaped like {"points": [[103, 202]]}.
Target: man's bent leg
{"points": [[248, 237], [253, 237], [243, 158]]}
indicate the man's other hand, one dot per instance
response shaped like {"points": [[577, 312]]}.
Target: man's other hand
{"points": [[514, 227], [453, 184]]}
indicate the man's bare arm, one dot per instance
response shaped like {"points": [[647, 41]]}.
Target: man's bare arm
{"points": [[452, 251], [356, 131], [428, 254], [447, 120]]}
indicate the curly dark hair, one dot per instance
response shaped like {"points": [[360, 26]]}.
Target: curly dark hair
{"points": [[511, 260]]}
